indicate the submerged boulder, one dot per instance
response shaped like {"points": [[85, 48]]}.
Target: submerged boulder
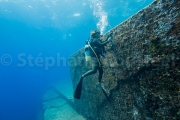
{"points": [[141, 69]]}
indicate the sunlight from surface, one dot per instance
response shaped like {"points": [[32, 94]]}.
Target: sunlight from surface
{"points": [[67, 15]]}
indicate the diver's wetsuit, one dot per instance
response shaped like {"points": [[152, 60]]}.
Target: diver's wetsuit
{"points": [[97, 45]]}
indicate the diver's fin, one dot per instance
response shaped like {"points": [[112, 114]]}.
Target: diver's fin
{"points": [[104, 92], [77, 93]]}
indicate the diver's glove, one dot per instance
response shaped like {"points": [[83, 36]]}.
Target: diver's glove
{"points": [[109, 39], [110, 34]]}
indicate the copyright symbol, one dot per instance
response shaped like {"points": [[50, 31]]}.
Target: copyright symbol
{"points": [[6, 60]]}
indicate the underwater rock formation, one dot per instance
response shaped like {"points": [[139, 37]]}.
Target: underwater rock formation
{"points": [[58, 103], [141, 69]]}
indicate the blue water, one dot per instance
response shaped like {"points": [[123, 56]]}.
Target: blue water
{"points": [[36, 39]]}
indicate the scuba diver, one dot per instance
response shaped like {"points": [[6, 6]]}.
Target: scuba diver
{"points": [[96, 49]]}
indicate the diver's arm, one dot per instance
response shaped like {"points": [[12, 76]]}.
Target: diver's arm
{"points": [[99, 43], [108, 36], [104, 42]]}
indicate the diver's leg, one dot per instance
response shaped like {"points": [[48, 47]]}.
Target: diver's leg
{"points": [[90, 72], [94, 67], [100, 69]]}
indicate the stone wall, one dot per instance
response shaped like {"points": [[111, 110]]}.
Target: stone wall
{"points": [[141, 69]]}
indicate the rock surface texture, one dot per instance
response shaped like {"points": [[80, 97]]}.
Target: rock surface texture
{"points": [[141, 69]]}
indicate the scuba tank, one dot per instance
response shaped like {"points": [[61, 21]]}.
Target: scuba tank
{"points": [[87, 53]]}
